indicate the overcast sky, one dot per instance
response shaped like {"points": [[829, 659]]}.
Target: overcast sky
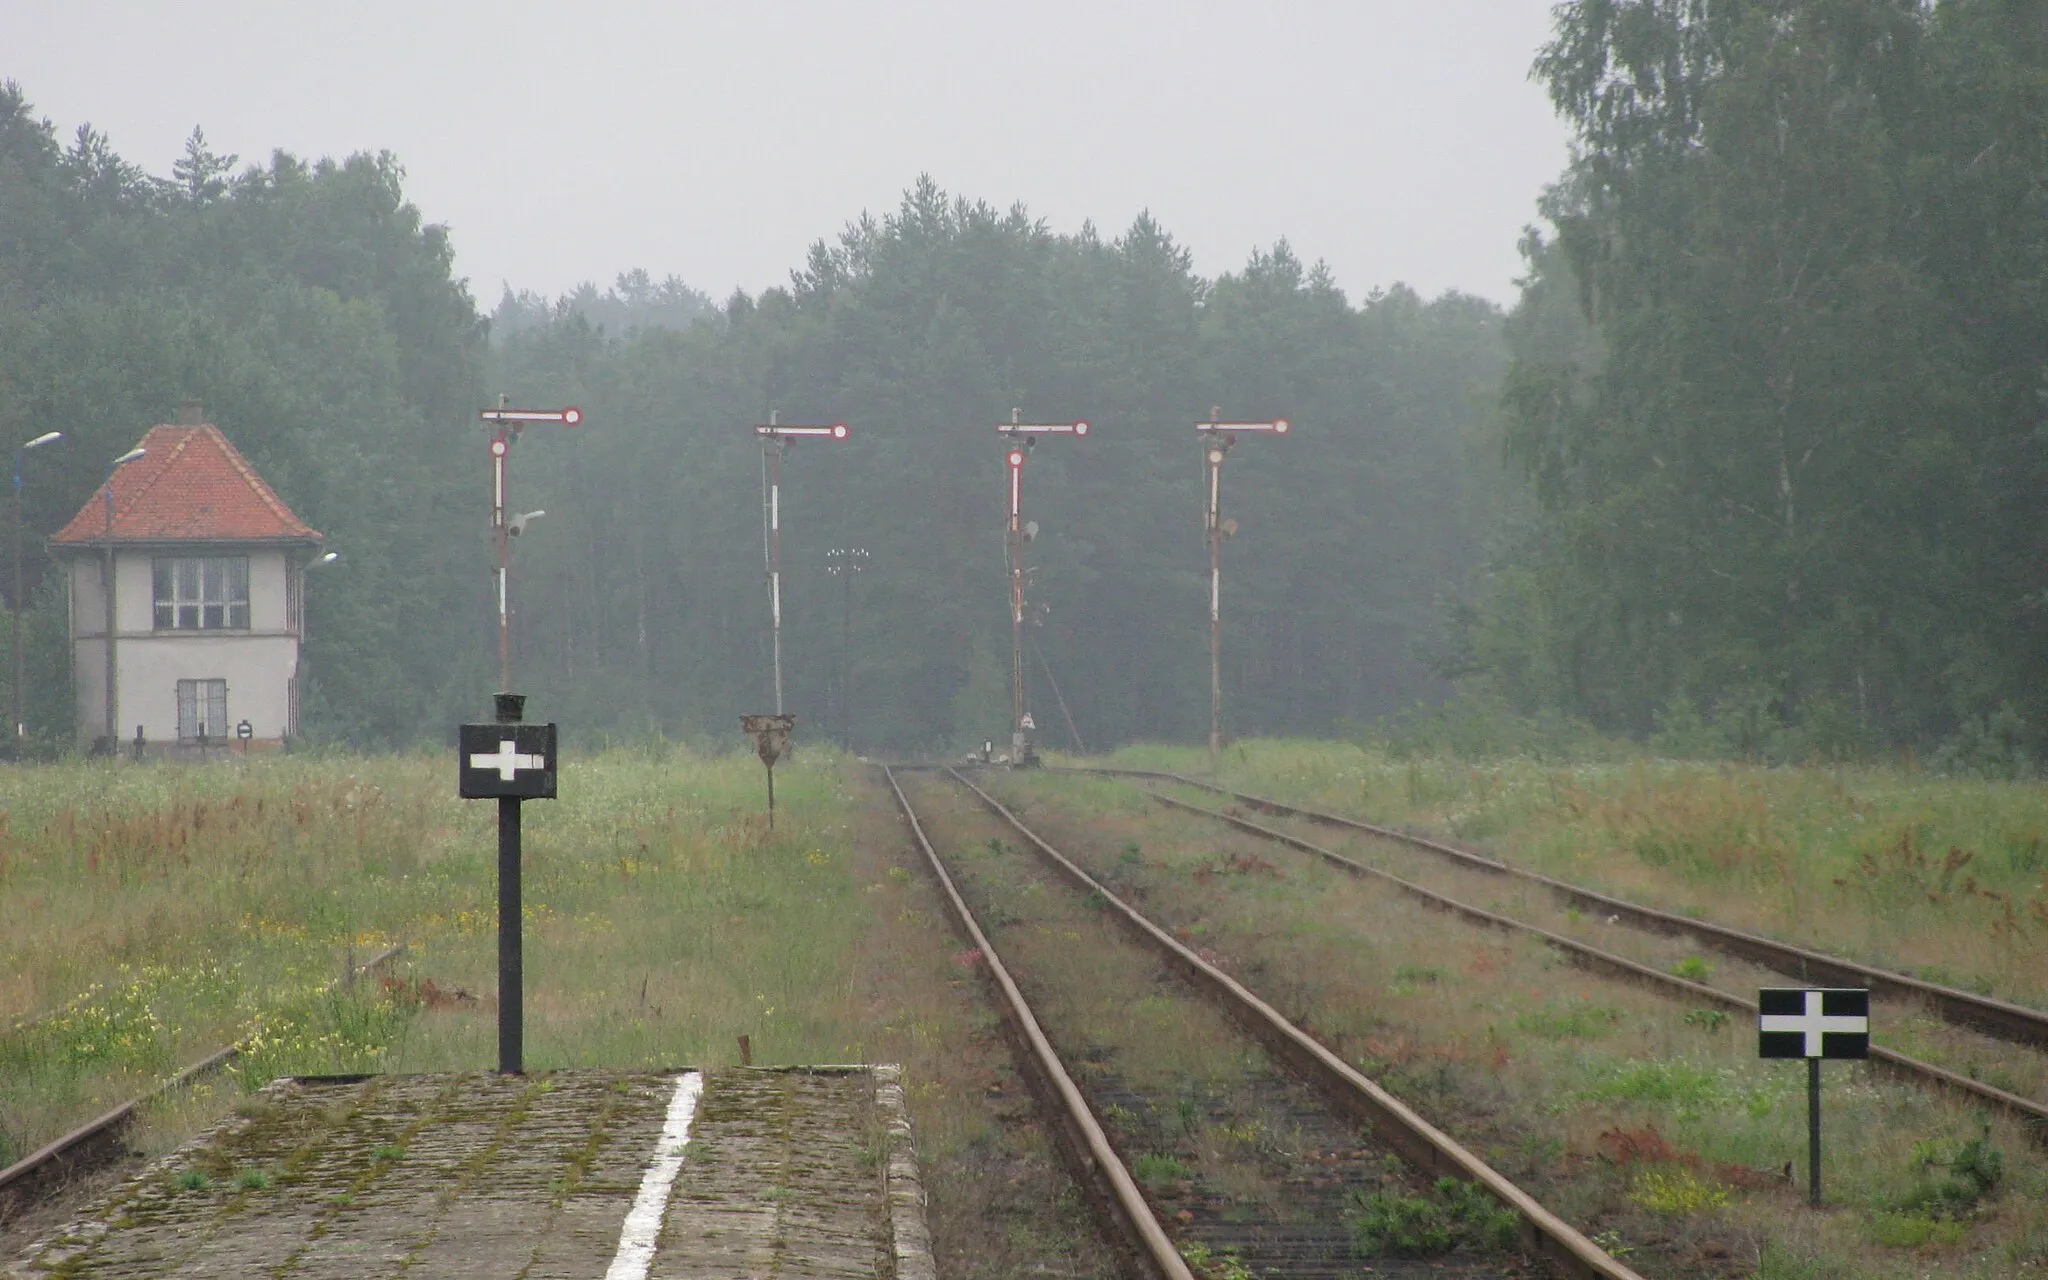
{"points": [[1394, 139]]}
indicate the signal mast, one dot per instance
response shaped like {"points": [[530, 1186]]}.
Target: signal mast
{"points": [[1021, 437]]}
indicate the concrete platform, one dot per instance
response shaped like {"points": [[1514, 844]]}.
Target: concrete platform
{"points": [[624, 1175]]}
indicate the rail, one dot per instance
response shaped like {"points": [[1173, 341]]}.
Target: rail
{"points": [[2001, 1019], [1422, 1143]]}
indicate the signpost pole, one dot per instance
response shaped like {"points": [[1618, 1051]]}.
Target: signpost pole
{"points": [[511, 960], [770, 735], [511, 935], [1813, 1131], [508, 761], [1814, 1023]]}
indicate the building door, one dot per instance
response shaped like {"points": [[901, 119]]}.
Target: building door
{"points": [[202, 710]]}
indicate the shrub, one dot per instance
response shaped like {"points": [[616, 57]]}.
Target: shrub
{"points": [[1454, 1215], [1155, 1168], [1676, 1193], [1693, 969], [1911, 1230], [1971, 1174]]}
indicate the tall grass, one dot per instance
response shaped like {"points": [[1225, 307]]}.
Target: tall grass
{"points": [[1940, 876], [148, 915]]}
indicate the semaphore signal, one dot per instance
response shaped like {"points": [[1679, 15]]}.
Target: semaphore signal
{"points": [[775, 437], [510, 422], [1219, 437], [1023, 436]]}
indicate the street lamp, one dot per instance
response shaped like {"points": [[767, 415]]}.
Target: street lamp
{"points": [[107, 589], [48, 437]]}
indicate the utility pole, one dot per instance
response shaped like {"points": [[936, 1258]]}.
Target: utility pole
{"points": [[845, 564], [1022, 437], [1217, 438], [510, 422], [20, 665], [775, 437]]}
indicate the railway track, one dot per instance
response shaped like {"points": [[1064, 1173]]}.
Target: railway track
{"points": [[1331, 1081], [101, 1141], [2032, 1114], [2000, 1019]]}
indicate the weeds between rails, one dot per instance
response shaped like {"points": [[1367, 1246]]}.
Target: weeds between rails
{"points": [[1994, 1017], [1626, 1114], [1424, 1147]]}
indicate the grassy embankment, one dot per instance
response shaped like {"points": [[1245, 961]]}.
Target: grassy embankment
{"points": [[149, 915]]}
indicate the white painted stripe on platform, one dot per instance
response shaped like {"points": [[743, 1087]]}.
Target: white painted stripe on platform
{"points": [[643, 1222]]}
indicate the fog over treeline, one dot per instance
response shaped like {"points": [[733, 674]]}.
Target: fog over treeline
{"points": [[1752, 465]]}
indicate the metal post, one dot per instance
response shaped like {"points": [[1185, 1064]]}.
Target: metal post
{"points": [[511, 1023], [511, 960], [846, 650], [20, 726], [775, 566], [1018, 740], [771, 544], [1813, 1131], [501, 447], [509, 421], [844, 563], [1215, 456]]}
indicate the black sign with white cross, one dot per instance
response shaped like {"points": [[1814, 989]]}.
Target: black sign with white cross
{"points": [[507, 760], [1813, 1022]]}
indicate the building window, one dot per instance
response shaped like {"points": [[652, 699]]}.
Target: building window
{"points": [[202, 594], [202, 709]]}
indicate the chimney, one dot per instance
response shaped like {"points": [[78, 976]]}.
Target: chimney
{"points": [[189, 413]]}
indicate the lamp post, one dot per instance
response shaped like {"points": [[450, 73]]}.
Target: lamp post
{"points": [[107, 589], [20, 668]]}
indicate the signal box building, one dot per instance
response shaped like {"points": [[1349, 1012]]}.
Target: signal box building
{"points": [[208, 585]]}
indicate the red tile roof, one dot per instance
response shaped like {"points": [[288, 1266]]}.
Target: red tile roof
{"points": [[189, 486]]}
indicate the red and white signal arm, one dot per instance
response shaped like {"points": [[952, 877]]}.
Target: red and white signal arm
{"points": [[1278, 426], [570, 417], [1042, 428], [831, 431]]}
